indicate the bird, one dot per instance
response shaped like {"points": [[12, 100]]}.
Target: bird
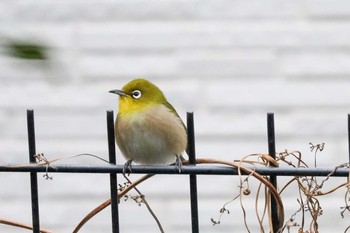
{"points": [[148, 130]]}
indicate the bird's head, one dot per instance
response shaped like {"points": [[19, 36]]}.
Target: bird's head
{"points": [[137, 95]]}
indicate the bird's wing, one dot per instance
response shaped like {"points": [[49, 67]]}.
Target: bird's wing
{"points": [[169, 106]]}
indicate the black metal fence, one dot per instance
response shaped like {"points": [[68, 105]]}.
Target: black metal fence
{"points": [[191, 170]]}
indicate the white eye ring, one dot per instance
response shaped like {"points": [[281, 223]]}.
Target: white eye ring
{"points": [[136, 94]]}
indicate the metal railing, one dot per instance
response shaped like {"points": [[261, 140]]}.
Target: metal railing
{"points": [[191, 170]]}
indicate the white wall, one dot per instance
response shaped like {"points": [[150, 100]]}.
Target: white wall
{"points": [[230, 62]]}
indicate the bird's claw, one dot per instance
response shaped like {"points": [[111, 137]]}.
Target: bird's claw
{"points": [[127, 167], [178, 164]]}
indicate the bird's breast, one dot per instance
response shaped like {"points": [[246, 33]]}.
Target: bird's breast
{"points": [[153, 136]]}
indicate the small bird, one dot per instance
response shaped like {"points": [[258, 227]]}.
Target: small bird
{"points": [[148, 129]]}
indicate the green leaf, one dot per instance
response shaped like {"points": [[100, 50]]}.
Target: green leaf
{"points": [[25, 50]]}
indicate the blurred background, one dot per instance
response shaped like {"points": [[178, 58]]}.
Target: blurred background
{"points": [[228, 61]]}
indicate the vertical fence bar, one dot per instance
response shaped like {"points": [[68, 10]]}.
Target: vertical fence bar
{"points": [[349, 135], [113, 176], [33, 175], [273, 178], [191, 151]]}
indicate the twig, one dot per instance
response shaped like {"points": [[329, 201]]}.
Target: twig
{"points": [[108, 202], [147, 205], [21, 225]]}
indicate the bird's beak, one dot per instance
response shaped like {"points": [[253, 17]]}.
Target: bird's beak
{"points": [[118, 92]]}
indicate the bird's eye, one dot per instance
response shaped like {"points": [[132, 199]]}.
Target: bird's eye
{"points": [[136, 94]]}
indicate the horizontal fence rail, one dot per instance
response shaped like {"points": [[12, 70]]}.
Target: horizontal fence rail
{"points": [[186, 170], [193, 169]]}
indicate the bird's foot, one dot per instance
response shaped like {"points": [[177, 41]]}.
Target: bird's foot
{"points": [[127, 167], [178, 164]]}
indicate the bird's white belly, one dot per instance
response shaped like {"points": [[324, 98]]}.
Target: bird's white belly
{"points": [[148, 148]]}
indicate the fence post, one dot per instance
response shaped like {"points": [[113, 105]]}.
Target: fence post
{"points": [[193, 178], [273, 178], [33, 175], [349, 135], [113, 176]]}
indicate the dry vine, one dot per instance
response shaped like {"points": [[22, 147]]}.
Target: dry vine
{"points": [[309, 189], [245, 170]]}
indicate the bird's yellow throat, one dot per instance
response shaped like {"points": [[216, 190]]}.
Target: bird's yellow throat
{"points": [[128, 106]]}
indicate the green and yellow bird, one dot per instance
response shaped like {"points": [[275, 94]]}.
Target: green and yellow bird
{"points": [[148, 129]]}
